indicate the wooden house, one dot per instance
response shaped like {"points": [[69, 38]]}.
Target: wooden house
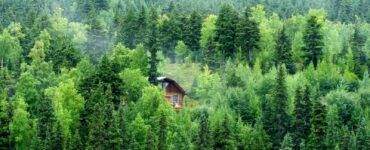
{"points": [[174, 93]]}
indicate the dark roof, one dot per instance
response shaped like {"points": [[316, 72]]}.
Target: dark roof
{"points": [[169, 80]]}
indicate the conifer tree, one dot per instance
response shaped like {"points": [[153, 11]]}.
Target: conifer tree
{"points": [[152, 45], [362, 136], [287, 143], [281, 118], [313, 41], [226, 31], [359, 57], [138, 133], [223, 136], [142, 21], [193, 33], [203, 138], [318, 126], [248, 36], [302, 112], [130, 28], [284, 52]]}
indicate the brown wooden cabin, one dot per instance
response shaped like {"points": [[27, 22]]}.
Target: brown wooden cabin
{"points": [[174, 93]]}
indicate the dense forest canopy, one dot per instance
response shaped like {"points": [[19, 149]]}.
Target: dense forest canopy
{"points": [[258, 74]]}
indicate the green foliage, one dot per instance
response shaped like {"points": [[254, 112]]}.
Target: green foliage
{"points": [[284, 52], [152, 45], [5, 119], [313, 41], [22, 127], [248, 36], [226, 31]]}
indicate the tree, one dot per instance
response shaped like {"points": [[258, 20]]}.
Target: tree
{"points": [[22, 129], [67, 105], [281, 118], [302, 113], [152, 46], [287, 143], [193, 33], [226, 31], [5, 119], [222, 132], [313, 41], [203, 139], [138, 133], [207, 41], [318, 126], [10, 48], [284, 52], [248, 36], [359, 57], [130, 28]]}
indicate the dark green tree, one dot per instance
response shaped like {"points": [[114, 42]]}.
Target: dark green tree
{"points": [[203, 139], [226, 27], [313, 41], [318, 126], [192, 33], [302, 113], [282, 119], [359, 57], [284, 52], [152, 45], [142, 20], [130, 28], [248, 36], [223, 135]]}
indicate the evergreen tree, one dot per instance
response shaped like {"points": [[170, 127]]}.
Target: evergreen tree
{"points": [[359, 57], [226, 31], [287, 143], [142, 20], [281, 116], [313, 41], [248, 36], [318, 126], [138, 133], [152, 46], [362, 136], [223, 137], [130, 28], [203, 140], [284, 52], [192, 33], [302, 112], [114, 137]]}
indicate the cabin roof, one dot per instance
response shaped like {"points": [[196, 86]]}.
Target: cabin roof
{"points": [[171, 81]]}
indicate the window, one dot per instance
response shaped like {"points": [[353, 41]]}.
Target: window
{"points": [[175, 99]]}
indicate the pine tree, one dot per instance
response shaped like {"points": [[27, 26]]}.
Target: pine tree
{"points": [[115, 140], [313, 41], [287, 143], [203, 138], [142, 20], [282, 119], [130, 28], [152, 46], [226, 31], [363, 136], [302, 112], [138, 133], [284, 52], [223, 135], [192, 33], [359, 56], [318, 126], [248, 36]]}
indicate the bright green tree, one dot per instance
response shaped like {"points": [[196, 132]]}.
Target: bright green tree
{"points": [[5, 120], [138, 133]]}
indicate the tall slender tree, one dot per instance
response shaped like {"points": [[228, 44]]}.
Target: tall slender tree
{"points": [[248, 36], [152, 45], [313, 41], [318, 126], [192, 33], [226, 30], [359, 56], [284, 52], [302, 112]]}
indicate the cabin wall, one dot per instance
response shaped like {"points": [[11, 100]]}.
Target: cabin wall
{"points": [[172, 90]]}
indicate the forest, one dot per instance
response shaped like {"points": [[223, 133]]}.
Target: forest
{"points": [[258, 74]]}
